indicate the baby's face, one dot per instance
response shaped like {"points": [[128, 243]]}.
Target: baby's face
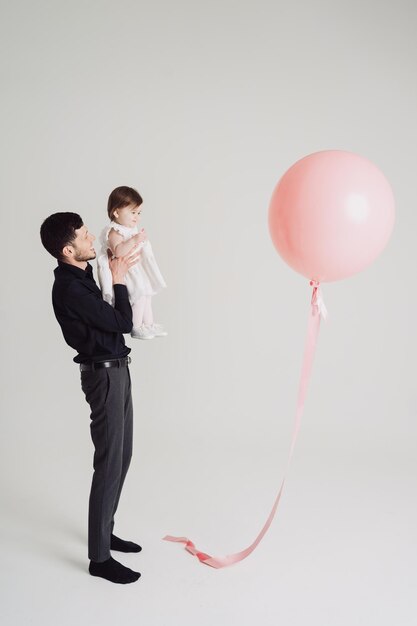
{"points": [[128, 216]]}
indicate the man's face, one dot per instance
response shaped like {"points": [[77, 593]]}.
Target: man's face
{"points": [[83, 245]]}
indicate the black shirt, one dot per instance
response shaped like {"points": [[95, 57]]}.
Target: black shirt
{"points": [[89, 324]]}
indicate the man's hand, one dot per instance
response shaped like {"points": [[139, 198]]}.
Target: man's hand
{"points": [[119, 266]]}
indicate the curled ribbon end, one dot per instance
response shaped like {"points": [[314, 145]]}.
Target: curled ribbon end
{"points": [[190, 547]]}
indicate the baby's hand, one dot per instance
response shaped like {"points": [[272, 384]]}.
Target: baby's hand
{"points": [[140, 237]]}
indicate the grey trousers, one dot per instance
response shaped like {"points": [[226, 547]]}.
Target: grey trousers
{"points": [[108, 392]]}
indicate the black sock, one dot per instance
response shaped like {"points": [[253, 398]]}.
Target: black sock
{"points": [[114, 571], [123, 546]]}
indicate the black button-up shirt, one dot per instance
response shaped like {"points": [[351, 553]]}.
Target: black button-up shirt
{"points": [[89, 324]]}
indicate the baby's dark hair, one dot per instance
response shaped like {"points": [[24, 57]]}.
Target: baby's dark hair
{"points": [[58, 231], [121, 197]]}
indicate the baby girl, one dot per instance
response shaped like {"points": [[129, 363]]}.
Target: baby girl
{"points": [[144, 279]]}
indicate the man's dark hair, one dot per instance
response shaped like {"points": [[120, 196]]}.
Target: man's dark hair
{"points": [[58, 231], [121, 197]]}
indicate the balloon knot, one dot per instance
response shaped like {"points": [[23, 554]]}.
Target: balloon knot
{"points": [[317, 304]]}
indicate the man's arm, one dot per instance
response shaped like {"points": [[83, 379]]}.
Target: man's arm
{"points": [[94, 311]]}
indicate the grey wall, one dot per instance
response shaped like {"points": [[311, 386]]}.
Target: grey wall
{"points": [[202, 107]]}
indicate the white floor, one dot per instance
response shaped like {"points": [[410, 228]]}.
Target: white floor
{"points": [[341, 550]]}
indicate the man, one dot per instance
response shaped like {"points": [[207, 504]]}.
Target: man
{"points": [[95, 330]]}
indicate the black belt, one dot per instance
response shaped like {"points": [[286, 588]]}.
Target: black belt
{"points": [[99, 364]]}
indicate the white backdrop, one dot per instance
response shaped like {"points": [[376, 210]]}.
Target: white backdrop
{"points": [[202, 106]]}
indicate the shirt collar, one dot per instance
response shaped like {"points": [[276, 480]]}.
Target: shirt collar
{"points": [[77, 271]]}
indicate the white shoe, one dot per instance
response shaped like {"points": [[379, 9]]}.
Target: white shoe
{"points": [[142, 332], [158, 330]]}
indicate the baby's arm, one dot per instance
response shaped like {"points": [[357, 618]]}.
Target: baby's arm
{"points": [[120, 248]]}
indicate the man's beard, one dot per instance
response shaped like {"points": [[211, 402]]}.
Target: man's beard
{"points": [[86, 256]]}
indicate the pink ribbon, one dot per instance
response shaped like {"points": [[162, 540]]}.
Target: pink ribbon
{"points": [[318, 311]]}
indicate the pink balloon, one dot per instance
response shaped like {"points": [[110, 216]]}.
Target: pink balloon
{"points": [[331, 215]]}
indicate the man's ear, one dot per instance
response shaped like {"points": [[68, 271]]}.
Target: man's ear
{"points": [[67, 251]]}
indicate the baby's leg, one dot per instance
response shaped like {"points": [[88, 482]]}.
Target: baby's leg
{"points": [[155, 329], [138, 309], [147, 313]]}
